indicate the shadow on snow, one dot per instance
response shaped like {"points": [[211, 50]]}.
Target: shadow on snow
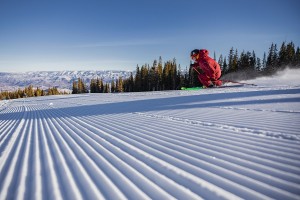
{"points": [[171, 103]]}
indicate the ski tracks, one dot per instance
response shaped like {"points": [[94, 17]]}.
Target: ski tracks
{"points": [[78, 148]]}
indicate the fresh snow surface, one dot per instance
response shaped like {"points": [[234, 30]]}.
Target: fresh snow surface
{"points": [[220, 143]]}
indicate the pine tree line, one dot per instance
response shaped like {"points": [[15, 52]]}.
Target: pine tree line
{"points": [[158, 76], [79, 87], [287, 56], [29, 92]]}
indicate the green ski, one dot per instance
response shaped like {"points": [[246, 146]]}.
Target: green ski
{"points": [[191, 88]]}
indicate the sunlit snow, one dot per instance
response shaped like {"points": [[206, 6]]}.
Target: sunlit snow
{"points": [[220, 143]]}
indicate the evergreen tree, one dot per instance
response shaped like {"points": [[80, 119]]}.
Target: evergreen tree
{"points": [[258, 66], [93, 86], [243, 62], [29, 91], [74, 88], [272, 59], [180, 78], [131, 83], [283, 60], [235, 61], [193, 78], [113, 86], [247, 61], [186, 78], [80, 86], [120, 85], [297, 58], [106, 88], [100, 85], [275, 56], [290, 53], [253, 60], [225, 66], [117, 86], [167, 76], [264, 62], [174, 74], [153, 76], [138, 80], [230, 59], [160, 74], [144, 78], [220, 62], [37, 92]]}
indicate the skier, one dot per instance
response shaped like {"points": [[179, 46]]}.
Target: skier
{"points": [[208, 69]]}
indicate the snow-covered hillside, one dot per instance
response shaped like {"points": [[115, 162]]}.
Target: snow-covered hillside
{"points": [[220, 143], [61, 79]]}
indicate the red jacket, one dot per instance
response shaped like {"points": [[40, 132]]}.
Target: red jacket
{"points": [[208, 65]]}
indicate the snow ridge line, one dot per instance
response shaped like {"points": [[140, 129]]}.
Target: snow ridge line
{"points": [[263, 110], [218, 150], [246, 141], [224, 126]]}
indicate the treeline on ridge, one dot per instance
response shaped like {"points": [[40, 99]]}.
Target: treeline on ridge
{"points": [[29, 91]]}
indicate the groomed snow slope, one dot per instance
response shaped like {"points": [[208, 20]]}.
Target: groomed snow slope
{"points": [[221, 143]]}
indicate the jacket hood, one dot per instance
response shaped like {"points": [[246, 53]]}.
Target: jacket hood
{"points": [[203, 53]]}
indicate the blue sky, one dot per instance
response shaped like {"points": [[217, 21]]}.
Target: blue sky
{"points": [[115, 34]]}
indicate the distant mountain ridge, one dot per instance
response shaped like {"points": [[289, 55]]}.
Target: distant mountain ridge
{"points": [[60, 79]]}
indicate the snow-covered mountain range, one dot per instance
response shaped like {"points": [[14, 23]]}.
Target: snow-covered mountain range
{"points": [[60, 79]]}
